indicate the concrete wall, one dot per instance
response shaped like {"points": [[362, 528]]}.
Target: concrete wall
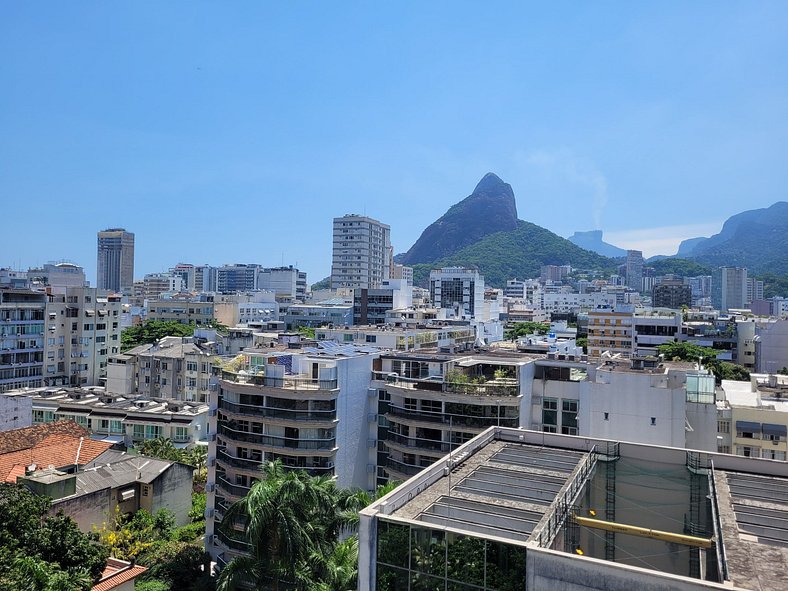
{"points": [[16, 412], [173, 490], [87, 510]]}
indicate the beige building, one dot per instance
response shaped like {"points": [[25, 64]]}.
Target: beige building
{"points": [[82, 330], [115, 265], [184, 310], [753, 417], [611, 330], [174, 368], [361, 250]]}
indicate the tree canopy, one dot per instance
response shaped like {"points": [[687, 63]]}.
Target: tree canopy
{"points": [[152, 331], [44, 552], [722, 370]]}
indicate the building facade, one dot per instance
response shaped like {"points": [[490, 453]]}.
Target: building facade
{"points": [[115, 265], [22, 320], [457, 289], [729, 288], [361, 252], [634, 270]]}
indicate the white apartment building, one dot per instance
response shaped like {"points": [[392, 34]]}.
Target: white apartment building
{"points": [[82, 332], [60, 276], [285, 282], [457, 289], [155, 284], [245, 308], [529, 290], [566, 303], [127, 420], [639, 400], [312, 408], [361, 248]]}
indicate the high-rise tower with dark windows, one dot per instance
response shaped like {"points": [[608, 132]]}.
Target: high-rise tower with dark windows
{"points": [[115, 265]]}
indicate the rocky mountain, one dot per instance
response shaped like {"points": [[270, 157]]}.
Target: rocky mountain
{"points": [[483, 231], [592, 240], [687, 246], [489, 209], [756, 239]]}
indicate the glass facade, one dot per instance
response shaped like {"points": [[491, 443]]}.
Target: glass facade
{"points": [[411, 558]]}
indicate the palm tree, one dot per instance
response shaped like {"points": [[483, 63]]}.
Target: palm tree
{"points": [[288, 516]]}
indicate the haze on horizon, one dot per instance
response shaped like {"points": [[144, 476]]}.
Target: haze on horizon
{"points": [[235, 132]]}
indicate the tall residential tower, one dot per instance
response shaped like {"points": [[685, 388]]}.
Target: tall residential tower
{"points": [[361, 252], [115, 266]]}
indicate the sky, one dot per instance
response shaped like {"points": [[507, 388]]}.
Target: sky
{"points": [[222, 132]]}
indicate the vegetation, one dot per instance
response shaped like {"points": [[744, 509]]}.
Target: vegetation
{"points": [[307, 332], [322, 284], [682, 267], [521, 329], [174, 556], [518, 253], [42, 552], [582, 342], [164, 449], [152, 331], [722, 370], [774, 285], [783, 371], [292, 522]]}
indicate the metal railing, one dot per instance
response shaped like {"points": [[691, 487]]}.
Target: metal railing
{"points": [[234, 489], [298, 382], [563, 505], [279, 413], [403, 468], [458, 421], [236, 462], [280, 442], [438, 384], [722, 559], [417, 443]]}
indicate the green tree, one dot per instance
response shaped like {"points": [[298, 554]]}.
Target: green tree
{"points": [[783, 371], [521, 329], [33, 541], [152, 331]]}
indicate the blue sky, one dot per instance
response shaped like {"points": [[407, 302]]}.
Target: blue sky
{"points": [[234, 131]]}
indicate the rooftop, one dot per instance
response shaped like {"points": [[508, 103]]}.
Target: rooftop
{"points": [[556, 495]]}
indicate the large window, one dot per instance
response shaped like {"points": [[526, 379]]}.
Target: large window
{"points": [[416, 558]]}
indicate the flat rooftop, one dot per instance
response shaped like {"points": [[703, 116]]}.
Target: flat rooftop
{"points": [[531, 489]]}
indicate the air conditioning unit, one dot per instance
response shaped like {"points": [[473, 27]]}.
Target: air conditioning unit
{"points": [[371, 468], [372, 442], [210, 487], [372, 417]]}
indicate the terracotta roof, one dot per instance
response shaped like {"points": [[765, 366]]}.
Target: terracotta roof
{"points": [[28, 437], [60, 450], [116, 573]]}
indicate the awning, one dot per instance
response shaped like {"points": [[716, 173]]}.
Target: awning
{"points": [[777, 430], [748, 426], [109, 438]]}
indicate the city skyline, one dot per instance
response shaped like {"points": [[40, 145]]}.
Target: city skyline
{"points": [[228, 128]]}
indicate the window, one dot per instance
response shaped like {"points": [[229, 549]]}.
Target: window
{"points": [[653, 421], [723, 426], [607, 416], [569, 417], [550, 413]]}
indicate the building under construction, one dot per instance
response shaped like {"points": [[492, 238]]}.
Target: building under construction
{"points": [[514, 509]]}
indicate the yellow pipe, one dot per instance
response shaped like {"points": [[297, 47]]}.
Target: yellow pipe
{"points": [[645, 532]]}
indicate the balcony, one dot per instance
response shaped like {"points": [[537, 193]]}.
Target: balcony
{"points": [[235, 490], [233, 542], [416, 443], [403, 468], [236, 462], [455, 420], [496, 387], [297, 383], [321, 416], [279, 442]]}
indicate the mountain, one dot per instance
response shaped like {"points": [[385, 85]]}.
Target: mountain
{"points": [[687, 246], [592, 240], [483, 231], [756, 239], [489, 209]]}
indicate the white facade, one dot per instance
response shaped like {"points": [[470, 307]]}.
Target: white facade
{"points": [[361, 252], [16, 411], [565, 303], [457, 289]]}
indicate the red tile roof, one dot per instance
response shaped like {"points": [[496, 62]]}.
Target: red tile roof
{"points": [[116, 573], [59, 450], [28, 437]]}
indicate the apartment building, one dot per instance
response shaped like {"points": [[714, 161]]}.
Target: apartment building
{"points": [[22, 320], [237, 278], [175, 368], [115, 265], [402, 272], [60, 276], [554, 273], [572, 303], [126, 420], [654, 328], [611, 330], [185, 309], [439, 335], [331, 312], [431, 403], [457, 289], [729, 288], [634, 270], [155, 284], [371, 306], [285, 282], [245, 308], [671, 294], [311, 408], [641, 399], [361, 252], [82, 332]]}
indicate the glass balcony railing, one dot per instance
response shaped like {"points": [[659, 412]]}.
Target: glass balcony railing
{"points": [[278, 413], [297, 382], [274, 441]]}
